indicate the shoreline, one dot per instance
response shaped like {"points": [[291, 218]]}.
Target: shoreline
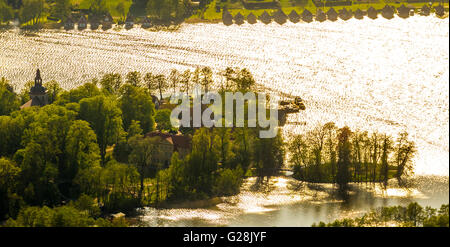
{"points": [[176, 26], [302, 199], [418, 181]]}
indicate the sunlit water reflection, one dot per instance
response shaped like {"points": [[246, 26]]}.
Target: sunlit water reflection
{"points": [[377, 75], [290, 203]]}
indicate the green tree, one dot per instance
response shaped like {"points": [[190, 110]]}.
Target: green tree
{"points": [[162, 119], [144, 154], [268, 155], [330, 130], [161, 9], [53, 90], [61, 9], [122, 149], [81, 145], [111, 83], [136, 104], [122, 10], [104, 117], [343, 164], [244, 80], [298, 149], [229, 182], [158, 82], [404, 152], [97, 7], [223, 141], [202, 163], [9, 201], [6, 12], [75, 95], [32, 10], [387, 147], [206, 78], [88, 204], [180, 8], [174, 79], [185, 80], [44, 162], [9, 101], [64, 216], [134, 78], [229, 75], [24, 94]]}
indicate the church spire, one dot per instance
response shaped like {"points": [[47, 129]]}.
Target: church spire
{"points": [[38, 79]]}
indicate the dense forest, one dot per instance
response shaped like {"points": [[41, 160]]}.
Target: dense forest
{"points": [[84, 155]]}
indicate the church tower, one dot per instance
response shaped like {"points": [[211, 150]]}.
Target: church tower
{"points": [[38, 93]]}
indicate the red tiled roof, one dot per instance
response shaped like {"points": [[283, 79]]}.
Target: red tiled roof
{"points": [[26, 105], [179, 141]]}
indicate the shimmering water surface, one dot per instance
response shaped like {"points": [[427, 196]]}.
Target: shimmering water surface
{"points": [[377, 75], [288, 202]]}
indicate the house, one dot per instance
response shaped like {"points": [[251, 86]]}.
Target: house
{"points": [[129, 22], [294, 17], [265, 17], [227, 18], [403, 11], [146, 22], [239, 18], [38, 93], [372, 13], [82, 23], [280, 17], [94, 21], [439, 10], [387, 12], [320, 15], [107, 21], [69, 24], [170, 143], [251, 18], [359, 14], [344, 14], [425, 10], [307, 16], [332, 14]]}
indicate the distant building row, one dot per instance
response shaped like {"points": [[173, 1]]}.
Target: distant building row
{"points": [[280, 17], [106, 22]]}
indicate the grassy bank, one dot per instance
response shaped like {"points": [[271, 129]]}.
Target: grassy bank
{"points": [[210, 14]]}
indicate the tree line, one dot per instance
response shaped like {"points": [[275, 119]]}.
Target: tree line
{"points": [[338, 155], [413, 215], [89, 143], [33, 12]]}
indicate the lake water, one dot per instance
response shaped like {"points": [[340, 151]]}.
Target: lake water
{"points": [[377, 75], [288, 202]]}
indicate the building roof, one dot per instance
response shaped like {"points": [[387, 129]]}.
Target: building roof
{"points": [[179, 141], [38, 88], [35, 101], [26, 105], [82, 19]]}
